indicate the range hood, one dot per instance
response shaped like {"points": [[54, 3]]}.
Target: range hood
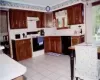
{"points": [[32, 19]]}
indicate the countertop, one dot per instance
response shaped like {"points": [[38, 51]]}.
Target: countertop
{"points": [[86, 44], [49, 35], [10, 69], [22, 38], [28, 37], [66, 35]]}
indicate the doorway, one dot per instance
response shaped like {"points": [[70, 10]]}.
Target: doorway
{"points": [[4, 35]]}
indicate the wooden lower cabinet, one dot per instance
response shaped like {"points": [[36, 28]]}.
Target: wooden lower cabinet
{"points": [[77, 39], [47, 45], [52, 44], [59, 45], [21, 49]]}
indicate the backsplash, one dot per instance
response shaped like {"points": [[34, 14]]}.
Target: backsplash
{"points": [[64, 32]]}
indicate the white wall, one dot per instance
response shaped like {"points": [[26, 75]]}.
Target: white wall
{"points": [[31, 27], [71, 31], [89, 23], [3, 26], [2, 34]]}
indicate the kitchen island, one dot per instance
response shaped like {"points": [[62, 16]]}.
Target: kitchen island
{"points": [[72, 55], [10, 69]]}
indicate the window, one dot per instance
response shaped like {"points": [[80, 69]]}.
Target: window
{"points": [[61, 18], [96, 22]]}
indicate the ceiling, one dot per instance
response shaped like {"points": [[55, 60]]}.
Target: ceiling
{"points": [[41, 3]]}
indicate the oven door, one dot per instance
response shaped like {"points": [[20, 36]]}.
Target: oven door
{"points": [[38, 43]]}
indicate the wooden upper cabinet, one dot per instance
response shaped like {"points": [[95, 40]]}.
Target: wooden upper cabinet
{"points": [[78, 14], [40, 23], [70, 15], [22, 19], [13, 19], [48, 20], [31, 13], [75, 14], [17, 19]]}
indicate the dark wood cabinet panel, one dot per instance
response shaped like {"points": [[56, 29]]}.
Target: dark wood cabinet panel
{"points": [[13, 16], [78, 14], [70, 15], [77, 39], [40, 23], [22, 20], [48, 20], [31, 13], [58, 45], [21, 49], [47, 44], [28, 48], [53, 44], [17, 19], [75, 14]]}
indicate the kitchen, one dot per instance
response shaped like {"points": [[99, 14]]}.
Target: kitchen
{"points": [[51, 31]]}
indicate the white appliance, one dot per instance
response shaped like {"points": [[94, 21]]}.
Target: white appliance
{"points": [[31, 23]]}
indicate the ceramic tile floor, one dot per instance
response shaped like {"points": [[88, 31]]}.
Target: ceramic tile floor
{"points": [[46, 67]]}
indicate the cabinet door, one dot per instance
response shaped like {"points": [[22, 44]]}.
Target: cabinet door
{"points": [[40, 23], [58, 45], [78, 13], [11, 19], [82, 39], [48, 19], [20, 50], [23, 20], [53, 45], [75, 40], [42, 20], [70, 15], [23, 49], [17, 19], [14, 19], [28, 50], [75, 14], [47, 44]]}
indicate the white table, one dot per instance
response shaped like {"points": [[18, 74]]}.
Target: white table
{"points": [[10, 69]]}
